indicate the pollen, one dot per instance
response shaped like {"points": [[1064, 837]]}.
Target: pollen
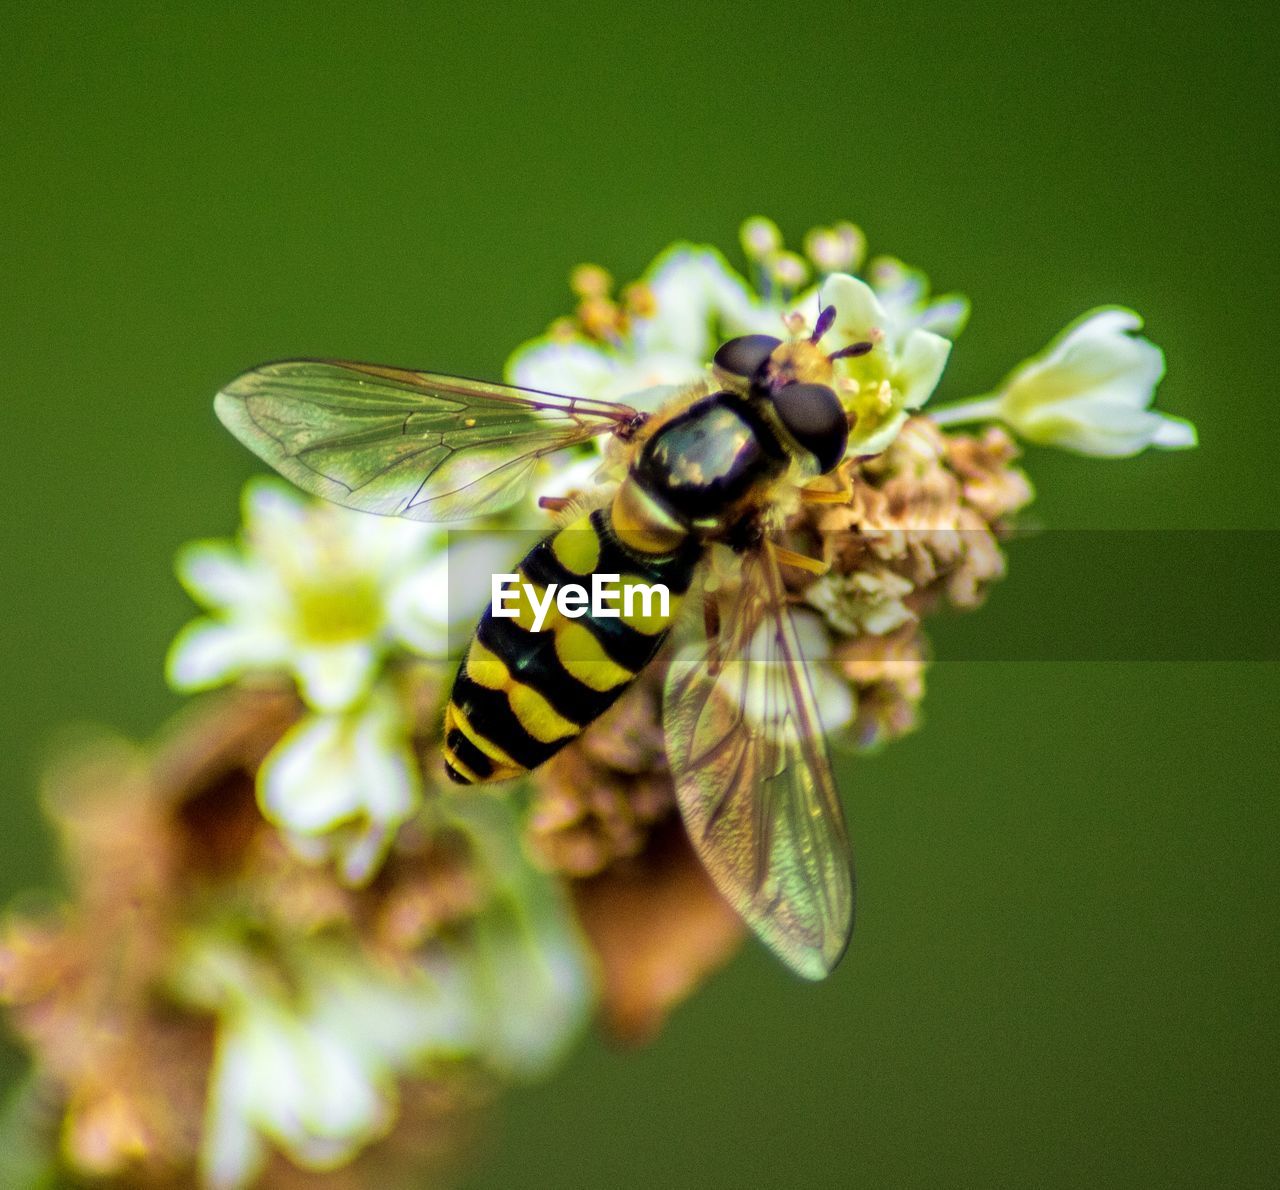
{"points": [[639, 300], [600, 318], [591, 281]]}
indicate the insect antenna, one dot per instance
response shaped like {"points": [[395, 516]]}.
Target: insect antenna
{"points": [[852, 350], [826, 316]]}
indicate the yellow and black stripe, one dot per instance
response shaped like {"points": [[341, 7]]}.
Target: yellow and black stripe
{"points": [[521, 695]]}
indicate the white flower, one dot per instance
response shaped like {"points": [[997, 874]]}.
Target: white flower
{"points": [[1089, 391], [690, 289], [307, 1062], [281, 1079], [340, 784], [897, 376], [699, 301], [314, 590]]}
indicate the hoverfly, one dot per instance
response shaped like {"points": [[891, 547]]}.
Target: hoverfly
{"points": [[716, 466]]}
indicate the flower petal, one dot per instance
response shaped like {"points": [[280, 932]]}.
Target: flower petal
{"points": [[904, 293], [341, 1107], [574, 368], [207, 653], [879, 438], [333, 677], [1101, 323], [694, 289], [1093, 428], [946, 315], [1094, 357], [272, 510], [921, 360], [858, 311], [833, 695], [1174, 433], [217, 575], [330, 769], [651, 379], [309, 782], [429, 606], [231, 1151], [418, 609]]}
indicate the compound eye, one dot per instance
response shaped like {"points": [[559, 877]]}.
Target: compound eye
{"points": [[814, 417], [745, 356]]}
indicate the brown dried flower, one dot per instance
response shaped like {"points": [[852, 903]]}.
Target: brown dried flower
{"points": [[595, 802], [157, 845]]}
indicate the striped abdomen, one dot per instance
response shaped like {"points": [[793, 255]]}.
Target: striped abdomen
{"points": [[521, 695]]}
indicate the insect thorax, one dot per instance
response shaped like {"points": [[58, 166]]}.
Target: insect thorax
{"points": [[709, 458]]}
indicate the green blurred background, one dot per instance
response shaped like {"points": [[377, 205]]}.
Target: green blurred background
{"points": [[1066, 962]]}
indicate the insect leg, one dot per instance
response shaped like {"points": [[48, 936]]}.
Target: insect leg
{"points": [[788, 557], [842, 493]]}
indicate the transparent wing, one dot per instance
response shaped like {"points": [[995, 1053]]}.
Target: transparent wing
{"points": [[401, 443], [747, 753]]}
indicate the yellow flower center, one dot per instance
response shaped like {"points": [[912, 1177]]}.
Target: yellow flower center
{"points": [[332, 612], [867, 391]]}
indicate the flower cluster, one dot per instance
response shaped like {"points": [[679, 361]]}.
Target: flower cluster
{"points": [[212, 1003], [290, 951], [343, 605], [1089, 391]]}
